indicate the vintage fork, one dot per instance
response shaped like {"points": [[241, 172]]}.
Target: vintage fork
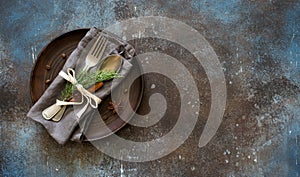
{"points": [[95, 53], [55, 112]]}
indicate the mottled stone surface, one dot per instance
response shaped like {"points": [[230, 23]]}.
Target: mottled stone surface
{"points": [[257, 43]]}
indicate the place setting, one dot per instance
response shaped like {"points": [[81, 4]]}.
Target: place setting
{"points": [[72, 81]]}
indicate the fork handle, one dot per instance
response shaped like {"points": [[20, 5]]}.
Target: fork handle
{"points": [[86, 68]]}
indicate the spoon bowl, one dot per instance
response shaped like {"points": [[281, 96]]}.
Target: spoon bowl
{"points": [[112, 63]]}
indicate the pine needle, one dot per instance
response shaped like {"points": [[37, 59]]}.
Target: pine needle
{"points": [[87, 80]]}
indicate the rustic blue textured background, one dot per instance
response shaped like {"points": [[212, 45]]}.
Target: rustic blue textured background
{"points": [[257, 43]]}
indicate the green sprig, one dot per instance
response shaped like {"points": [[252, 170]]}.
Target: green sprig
{"points": [[87, 80]]}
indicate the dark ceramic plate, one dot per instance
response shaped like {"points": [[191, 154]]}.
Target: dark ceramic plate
{"points": [[66, 43]]}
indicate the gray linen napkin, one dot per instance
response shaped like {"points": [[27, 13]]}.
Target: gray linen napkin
{"points": [[63, 130]]}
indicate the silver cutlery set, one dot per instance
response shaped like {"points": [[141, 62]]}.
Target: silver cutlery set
{"points": [[111, 63]]}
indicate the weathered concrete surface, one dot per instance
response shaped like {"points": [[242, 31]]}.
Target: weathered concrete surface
{"points": [[257, 43]]}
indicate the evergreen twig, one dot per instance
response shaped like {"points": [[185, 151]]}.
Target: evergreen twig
{"points": [[87, 80]]}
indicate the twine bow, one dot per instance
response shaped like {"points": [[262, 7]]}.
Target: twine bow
{"points": [[90, 98]]}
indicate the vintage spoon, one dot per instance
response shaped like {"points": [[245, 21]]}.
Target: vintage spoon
{"points": [[111, 63]]}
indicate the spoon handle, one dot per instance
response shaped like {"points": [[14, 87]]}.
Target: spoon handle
{"points": [[59, 114]]}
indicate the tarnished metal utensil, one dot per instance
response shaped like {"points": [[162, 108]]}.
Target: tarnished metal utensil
{"points": [[112, 63]]}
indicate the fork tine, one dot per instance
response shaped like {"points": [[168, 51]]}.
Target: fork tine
{"points": [[97, 45], [100, 47], [101, 51]]}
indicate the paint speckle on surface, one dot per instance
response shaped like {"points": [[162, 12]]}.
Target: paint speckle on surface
{"points": [[153, 86]]}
